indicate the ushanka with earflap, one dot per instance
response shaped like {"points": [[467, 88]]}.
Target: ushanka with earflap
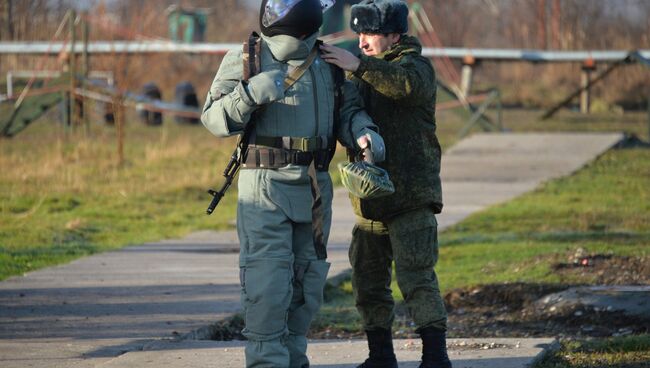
{"points": [[380, 17]]}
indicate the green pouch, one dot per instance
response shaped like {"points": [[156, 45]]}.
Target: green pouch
{"points": [[366, 180]]}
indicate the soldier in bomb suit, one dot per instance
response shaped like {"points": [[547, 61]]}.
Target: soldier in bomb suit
{"points": [[285, 192]]}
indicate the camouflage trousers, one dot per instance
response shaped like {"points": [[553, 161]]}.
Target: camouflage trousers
{"points": [[411, 241]]}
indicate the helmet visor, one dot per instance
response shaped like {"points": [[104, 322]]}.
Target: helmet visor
{"points": [[275, 10]]}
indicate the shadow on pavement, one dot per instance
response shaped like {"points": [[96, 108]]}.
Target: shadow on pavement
{"points": [[113, 312]]}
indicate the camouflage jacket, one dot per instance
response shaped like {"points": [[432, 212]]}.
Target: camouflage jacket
{"points": [[399, 91]]}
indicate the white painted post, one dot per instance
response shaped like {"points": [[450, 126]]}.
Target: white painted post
{"points": [[466, 75], [588, 66]]}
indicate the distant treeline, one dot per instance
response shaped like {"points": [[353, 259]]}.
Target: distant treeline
{"points": [[529, 24]]}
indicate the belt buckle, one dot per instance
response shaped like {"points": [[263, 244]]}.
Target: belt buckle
{"points": [[304, 144], [312, 144]]}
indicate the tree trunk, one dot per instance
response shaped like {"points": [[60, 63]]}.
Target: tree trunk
{"points": [[541, 24]]}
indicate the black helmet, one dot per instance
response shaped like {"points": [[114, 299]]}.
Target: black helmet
{"points": [[295, 18]]}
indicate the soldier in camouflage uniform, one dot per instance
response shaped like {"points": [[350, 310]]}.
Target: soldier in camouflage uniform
{"points": [[282, 256], [399, 90]]}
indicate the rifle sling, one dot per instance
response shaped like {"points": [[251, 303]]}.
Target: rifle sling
{"points": [[317, 219], [293, 76]]}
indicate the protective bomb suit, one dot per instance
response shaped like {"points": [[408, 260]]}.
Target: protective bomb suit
{"points": [[282, 271]]}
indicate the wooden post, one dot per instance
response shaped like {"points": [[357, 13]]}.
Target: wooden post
{"points": [[10, 84], [648, 117], [86, 68], [466, 74], [585, 78], [72, 69], [84, 37], [8, 20], [555, 24], [118, 115], [541, 24], [499, 108], [584, 95]]}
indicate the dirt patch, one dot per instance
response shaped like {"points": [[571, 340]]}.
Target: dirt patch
{"points": [[604, 269], [510, 310], [226, 330]]}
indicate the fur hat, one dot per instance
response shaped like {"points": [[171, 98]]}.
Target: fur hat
{"points": [[380, 16]]}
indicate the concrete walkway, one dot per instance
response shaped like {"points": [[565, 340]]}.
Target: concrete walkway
{"points": [[119, 309]]}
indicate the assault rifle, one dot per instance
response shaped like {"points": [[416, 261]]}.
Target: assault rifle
{"points": [[251, 66], [229, 173]]}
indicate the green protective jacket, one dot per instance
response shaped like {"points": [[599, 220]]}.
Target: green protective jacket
{"points": [[399, 91], [307, 110]]}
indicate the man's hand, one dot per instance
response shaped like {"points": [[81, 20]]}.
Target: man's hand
{"points": [[376, 143], [266, 87], [340, 57]]}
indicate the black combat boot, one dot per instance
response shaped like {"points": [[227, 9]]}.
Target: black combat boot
{"points": [[434, 349], [380, 343]]}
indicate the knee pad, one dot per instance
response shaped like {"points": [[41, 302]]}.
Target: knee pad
{"points": [[310, 278], [266, 296]]}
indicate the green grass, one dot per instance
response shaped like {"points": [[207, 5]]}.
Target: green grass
{"points": [[609, 195], [604, 208], [63, 194], [618, 352]]}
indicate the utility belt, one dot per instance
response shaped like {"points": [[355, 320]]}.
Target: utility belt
{"points": [[277, 152]]}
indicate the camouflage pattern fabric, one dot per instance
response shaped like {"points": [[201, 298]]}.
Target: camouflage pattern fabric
{"points": [[399, 91], [409, 239]]}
